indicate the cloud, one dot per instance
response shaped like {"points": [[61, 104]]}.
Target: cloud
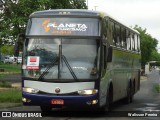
{"points": [[144, 13]]}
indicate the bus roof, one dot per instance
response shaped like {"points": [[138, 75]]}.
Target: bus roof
{"points": [[70, 12], [76, 13]]}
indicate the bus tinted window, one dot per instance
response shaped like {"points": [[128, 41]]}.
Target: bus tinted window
{"points": [[136, 42], [113, 33], [132, 42], [118, 41], [105, 27], [123, 37], [128, 40], [64, 26]]}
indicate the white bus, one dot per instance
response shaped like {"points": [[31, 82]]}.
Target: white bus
{"points": [[78, 58]]}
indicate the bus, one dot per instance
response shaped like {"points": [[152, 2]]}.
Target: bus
{"points": [[78, 58]]}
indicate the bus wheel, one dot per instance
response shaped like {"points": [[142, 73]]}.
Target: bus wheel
{"points": [[129, 97], [109, 99], [105, 107], [45, 109]]}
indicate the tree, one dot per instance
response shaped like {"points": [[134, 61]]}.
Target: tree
{"points": [[7, 50], [155, 56], [16, 12], [148, 46]]}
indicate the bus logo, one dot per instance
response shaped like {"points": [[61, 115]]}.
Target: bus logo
{"points": [[57, 90]]}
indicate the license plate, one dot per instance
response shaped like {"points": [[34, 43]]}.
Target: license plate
{"points": [[57, 101]]}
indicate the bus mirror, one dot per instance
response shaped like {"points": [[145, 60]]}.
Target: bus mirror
{"points": [[109, 56], [19, 44]]}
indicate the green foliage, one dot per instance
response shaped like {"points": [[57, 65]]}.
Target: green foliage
{"points": [[7, 49], [157, 88], [10, 68], [2, 76], [13, 96], [155, 56], [5, 84], [148, 46], [15, 16]]}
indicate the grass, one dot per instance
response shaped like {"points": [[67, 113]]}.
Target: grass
{"points": [[2, 76], [5, 84], [157, 88], [11, 96], [10, 68]]}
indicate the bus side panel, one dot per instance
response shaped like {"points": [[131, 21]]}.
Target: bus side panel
{"points": [[121, 74], [125, 66], [137, 73]]}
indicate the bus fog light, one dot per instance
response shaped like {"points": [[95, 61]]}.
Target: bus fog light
{"points": [[26, 100], [94, 102], [87, 92], [30, 90]]}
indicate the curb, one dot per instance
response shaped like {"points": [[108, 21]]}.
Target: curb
{"points": [[16, 85]]}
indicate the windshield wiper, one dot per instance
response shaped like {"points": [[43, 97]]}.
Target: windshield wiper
{"points": [[69, 67], [47, 69]]}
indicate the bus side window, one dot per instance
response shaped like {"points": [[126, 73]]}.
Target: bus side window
{"points": [[118, 44], [105, 58], [113, 33], [136, 42], [123, 36], [128, 39], [110, 32], [132, 42], [105, 27]]}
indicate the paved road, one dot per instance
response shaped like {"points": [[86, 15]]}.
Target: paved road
{"points": [[145, 100]]}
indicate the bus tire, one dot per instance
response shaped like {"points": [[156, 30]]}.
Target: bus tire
{"points": [[109, 99], [45, 109], [129, 97], [106, 107]]}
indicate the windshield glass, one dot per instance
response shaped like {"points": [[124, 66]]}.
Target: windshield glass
{"points": [[63, 59]]}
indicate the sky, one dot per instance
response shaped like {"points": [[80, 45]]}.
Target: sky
{"points": [[144, 13]]}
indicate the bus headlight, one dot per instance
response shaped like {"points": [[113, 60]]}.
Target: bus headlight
{"points": [[87, 92], [30, 90]]}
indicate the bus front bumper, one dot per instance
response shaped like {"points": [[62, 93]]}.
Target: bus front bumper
{"points": [[70, 101]]}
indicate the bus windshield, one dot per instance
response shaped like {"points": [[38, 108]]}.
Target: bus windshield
{"points": [[54, 59]]}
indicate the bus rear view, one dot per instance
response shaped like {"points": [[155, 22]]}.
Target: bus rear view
{"points": [[61, 59]]}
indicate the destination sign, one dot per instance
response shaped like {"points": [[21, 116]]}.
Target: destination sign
{"points": [[64, 26]]}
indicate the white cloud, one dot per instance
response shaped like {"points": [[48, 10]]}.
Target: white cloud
{"points": [[144, 13]]}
